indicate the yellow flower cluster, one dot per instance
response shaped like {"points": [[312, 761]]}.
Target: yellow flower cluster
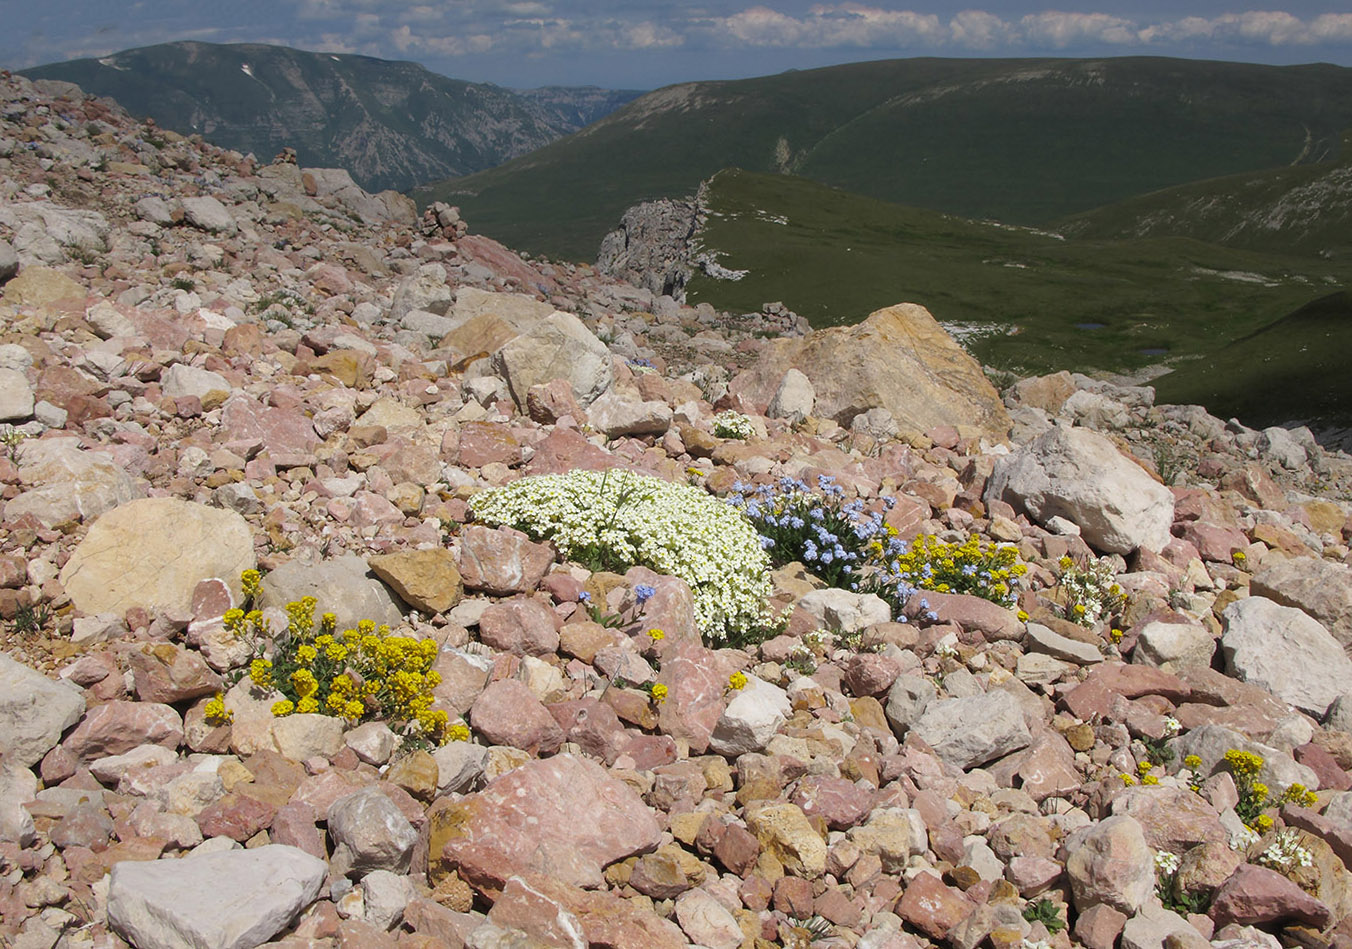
{"points": [[656, 635], [215, 711], [658, 693], [737, 681], [990, 571], [360, 674]]}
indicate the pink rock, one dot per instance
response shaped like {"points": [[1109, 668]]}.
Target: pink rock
{"points": [[933, 907], [523, 626], [839, 802], [505, 263], [1048, 768], [1331, 776], [483, 443], [237, 816], [671, 608], [1093, 696], [564, 450], [972, 613], [593, 726], [564, 817], [114, 728], [1214, 542], [508, 713], [542, 908], [645, 752], [405, 461], [793, 896], [296, 824], [695, 681], [551, 401], [210, 599], [1099, 926], [85, 825], [1032, 875], [835, 906], [281, 430], [502, 562], [168, 673], [1255, 894], [868, 673], [461, 682], [737, 849]]}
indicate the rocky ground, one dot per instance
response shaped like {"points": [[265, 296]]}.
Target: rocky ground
{"points": [[210, 365]]}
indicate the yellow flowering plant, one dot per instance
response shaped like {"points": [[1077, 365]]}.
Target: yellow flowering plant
{"points": [[362, 674]]}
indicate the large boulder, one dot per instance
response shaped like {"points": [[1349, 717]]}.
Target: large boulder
{"points": [[556, 347], [153, 552], [1285, 651], [340, 586], [1080, 475], [899, 359], [565, 817], [67, 483], [1319, 587], [235, 899]]}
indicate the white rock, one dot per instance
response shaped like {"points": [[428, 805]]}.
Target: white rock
{"points": [[208, 214], [384, 895], [706, 921], [1079, 474], [794, 399], [373, 742], [969, 732], [618, 415], [1174, 646], [750, 719], [233, 900], [69, 483], [557, 347], [181, 380], [459, 765], [16, 396], [34, 711], [844, 611], [1285, 651]]}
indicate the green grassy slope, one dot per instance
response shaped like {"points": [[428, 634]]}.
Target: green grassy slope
{"points": [[1022, 141], [1025, 300], [1292, 369], [1303, 209]]}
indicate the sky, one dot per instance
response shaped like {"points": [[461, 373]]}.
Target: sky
{"points": [[643, 45]]}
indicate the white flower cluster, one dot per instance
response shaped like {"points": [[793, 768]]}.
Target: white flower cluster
{"points": [[1166, 863], [674, 529], [732, 424], [1285, 853], [1091, 591]]}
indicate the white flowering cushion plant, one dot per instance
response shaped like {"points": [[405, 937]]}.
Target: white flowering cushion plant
{"points": [[618, 519]]}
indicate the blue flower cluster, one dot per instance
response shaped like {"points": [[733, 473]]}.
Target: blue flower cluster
{"points": [[842, 542]]}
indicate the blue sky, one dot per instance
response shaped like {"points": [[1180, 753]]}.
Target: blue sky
{"points": [[642, 45]]}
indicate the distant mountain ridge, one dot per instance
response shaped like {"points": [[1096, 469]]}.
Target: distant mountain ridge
{"points": [[1019, 141], [391, 124]]}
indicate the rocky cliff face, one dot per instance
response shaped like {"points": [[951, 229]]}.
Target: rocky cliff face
{"points": [[392, 124], [207, 365]]}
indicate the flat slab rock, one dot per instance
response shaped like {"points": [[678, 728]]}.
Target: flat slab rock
{"points": [[237, 899], [563, 816]]}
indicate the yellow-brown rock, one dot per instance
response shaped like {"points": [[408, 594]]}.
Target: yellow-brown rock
{"points": [[427, 580], [899, 359]]}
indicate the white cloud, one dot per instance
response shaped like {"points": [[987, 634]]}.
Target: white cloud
{"points": [[1060, 30]]}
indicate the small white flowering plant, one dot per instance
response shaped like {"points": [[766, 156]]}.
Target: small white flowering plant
{"points": [[618, 519], [1285, 853], [732, 424], [1091, 591]]}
